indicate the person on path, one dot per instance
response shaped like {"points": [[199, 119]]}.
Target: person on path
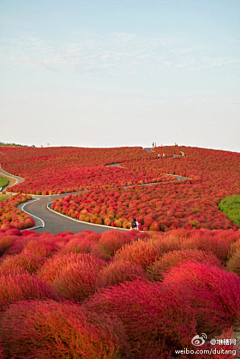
{"points": [[134, 224]]}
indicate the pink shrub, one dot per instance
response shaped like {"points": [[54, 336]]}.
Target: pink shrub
{"points": [[16, 287], [25, 262], [234, 247], [78, 280], [140, 252], [212, 292], [28, 232], [121, 271], [227, 235], [6, 241], [14, 231], [155, 322], [55, 265], [158, 269], [233, 264], [166, 243], [206, 241], [180, 233], [43, 247], [72, 276], [134, 234], [111, 241], [78, 245], [17, 246], [91, 236], [47, 329]]}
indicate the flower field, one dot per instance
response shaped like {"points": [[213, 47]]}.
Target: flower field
{"points": [[117, 295]]}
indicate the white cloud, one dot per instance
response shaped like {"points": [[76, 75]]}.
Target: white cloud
{"points": [[112, 54]]}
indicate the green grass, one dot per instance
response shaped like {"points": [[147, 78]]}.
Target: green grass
{"points": [[231, 207], [2, 198], [3, 182]]}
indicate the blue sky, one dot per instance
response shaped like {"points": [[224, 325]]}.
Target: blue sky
{"points": [[120, 73]]}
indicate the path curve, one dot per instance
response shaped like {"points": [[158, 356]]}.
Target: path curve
{"points": [[14, 180], [47, 220]]}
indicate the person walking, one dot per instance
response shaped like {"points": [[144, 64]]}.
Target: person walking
{"points": [[134, 224]]}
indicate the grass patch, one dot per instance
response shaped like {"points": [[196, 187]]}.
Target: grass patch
{"points": [[3, 181], [2, 198], [231, 207]]}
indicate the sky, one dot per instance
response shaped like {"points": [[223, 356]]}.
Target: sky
{"points": [[112, 73]]}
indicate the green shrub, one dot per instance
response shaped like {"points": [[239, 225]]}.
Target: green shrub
{"points": [[231, 207]]}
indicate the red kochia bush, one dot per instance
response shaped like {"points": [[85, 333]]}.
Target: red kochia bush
{"points": [[16, 287], [234, 263], [207, 241], [78, 245], [111, 241], [156, 323], [72, 276], [121, 271], [47, 329], [140, 252], [6, 242], [158, 269], [212, 292], [22, 262], [43, 247], [165, 242]]}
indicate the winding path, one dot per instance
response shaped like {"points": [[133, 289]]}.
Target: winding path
{"points": [[47, 220]]}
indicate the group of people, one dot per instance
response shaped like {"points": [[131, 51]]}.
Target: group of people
{"points": [[164, 156]]}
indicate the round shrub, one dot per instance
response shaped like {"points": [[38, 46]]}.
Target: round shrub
{"points": [[72, 276], [233, 264], [91, 236], [208, 242], [111, 241], [55, 265], [6, 241], [158, 269], [77, 281], [27, 262], [140, 252], [121, 271], [155, 322], [43, 247], [166, 243], [212, 292], [16, 287], [47, 329], [78, 245]]}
